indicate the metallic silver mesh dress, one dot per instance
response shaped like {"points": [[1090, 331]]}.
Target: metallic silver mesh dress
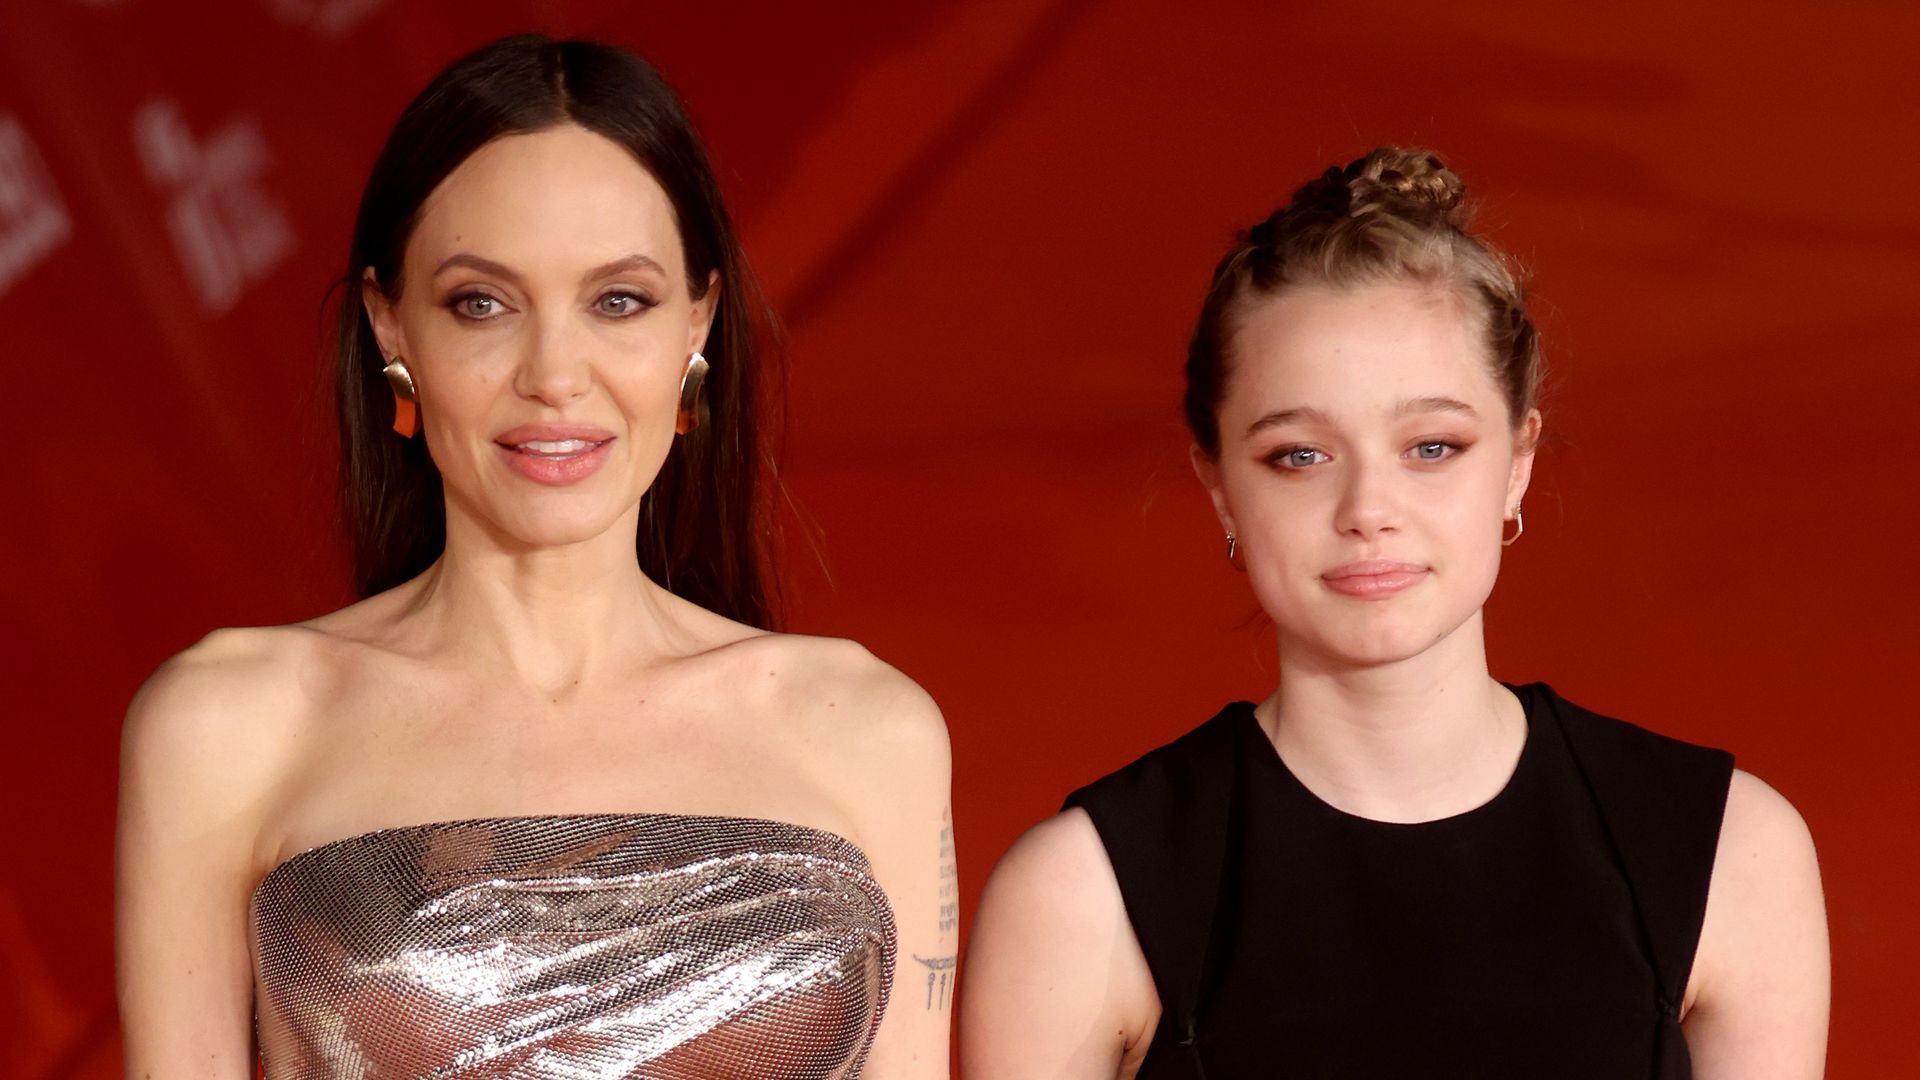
{"points": [[564, 948]]}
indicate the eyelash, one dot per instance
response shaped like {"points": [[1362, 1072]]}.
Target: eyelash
{"points": [[641, 303], [458, 301], [1279, 458], [1452, 448]]}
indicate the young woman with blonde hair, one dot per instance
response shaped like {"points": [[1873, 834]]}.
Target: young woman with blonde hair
{"points": [[1394, 865]]}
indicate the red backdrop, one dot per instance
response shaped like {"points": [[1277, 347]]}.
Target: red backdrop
{"points": [[988, 227]]}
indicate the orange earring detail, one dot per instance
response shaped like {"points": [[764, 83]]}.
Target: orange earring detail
{"points": [[1522, 527], [693, 401], [406, 414]]}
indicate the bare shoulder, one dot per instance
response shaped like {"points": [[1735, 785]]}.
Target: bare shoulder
{"points": [[1757, 1000], [227, 687], [206, 741], [1057, 983], [848, 699], [837, 668], [222, 718], [1765, 889], [1057, 873], [1761, 824], [1065, 848]]}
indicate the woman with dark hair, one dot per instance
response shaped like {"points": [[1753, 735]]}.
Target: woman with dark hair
{"points": [[1393, 865], [552, 799]]}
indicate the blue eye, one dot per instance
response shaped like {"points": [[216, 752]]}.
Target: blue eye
{"points": [[1435, 451], [623, 304], [1297, 457], [475, 306]]}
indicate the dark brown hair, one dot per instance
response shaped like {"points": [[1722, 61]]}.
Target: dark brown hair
{"points": [[1392, 215], [698, 532]]}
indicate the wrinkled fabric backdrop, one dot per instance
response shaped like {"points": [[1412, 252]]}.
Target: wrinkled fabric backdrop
{"points": [[988, 227]]}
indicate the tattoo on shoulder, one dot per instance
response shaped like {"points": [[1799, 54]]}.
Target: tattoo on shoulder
{"points": [[949, 877], [939, 979]]}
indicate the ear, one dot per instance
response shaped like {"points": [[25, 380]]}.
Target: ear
{"points": [[1525, 441], [700, 322], [380, 313], [1207, 468]]}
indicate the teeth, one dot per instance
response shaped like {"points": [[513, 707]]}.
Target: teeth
{"points": [[564, 446]]}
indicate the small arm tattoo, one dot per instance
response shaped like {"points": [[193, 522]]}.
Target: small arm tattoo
{"points": [[940, 970], [949, 877]]}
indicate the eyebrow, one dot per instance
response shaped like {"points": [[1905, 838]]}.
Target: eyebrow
{"points": [[1434, 403], [488, 266], [1307, 414], [1302, 414]]}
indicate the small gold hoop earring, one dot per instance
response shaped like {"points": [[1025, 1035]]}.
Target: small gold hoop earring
{"points": [[406, 414], [1233, 550], [693, 400], [1522, 527]]}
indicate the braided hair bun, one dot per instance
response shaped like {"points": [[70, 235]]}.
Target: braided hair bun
{"points": [[1404, 181]]}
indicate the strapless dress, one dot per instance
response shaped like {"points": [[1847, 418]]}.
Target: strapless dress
{"points": [[571, 947]]}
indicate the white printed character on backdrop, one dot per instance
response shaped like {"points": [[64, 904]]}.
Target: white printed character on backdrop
{"points": [[33, 220], [226, 228]]}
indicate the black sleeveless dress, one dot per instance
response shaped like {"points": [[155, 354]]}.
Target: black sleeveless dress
{"points": [[1545, 935]]}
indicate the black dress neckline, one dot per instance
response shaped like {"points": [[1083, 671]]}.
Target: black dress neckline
{"points": [[1263, 754]]}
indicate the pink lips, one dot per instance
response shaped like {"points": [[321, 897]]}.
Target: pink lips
{"points": [[555, 454], [1373, 579]]}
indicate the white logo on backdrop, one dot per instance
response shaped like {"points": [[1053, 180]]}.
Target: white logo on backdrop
{"points": [[327, 16], [33, 221], [226, 228]]}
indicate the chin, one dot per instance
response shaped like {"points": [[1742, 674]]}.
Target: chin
{"points": [[561, 526], [1373, 650], [1374, 638]]}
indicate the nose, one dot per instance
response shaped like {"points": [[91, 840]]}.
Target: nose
{"points": [[1369, 505], [554, 370]]}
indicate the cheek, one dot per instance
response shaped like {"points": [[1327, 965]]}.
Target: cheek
{"points": [[1458, 516], [456, 369], [459, 400], [1482, 505], [461, 392], [1467, 526], [458, 418], [643, 380], [1277, 511], [1284, 529]]}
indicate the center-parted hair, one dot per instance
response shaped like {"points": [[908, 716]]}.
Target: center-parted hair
{"points": [[699, 533], [1394, 215]]}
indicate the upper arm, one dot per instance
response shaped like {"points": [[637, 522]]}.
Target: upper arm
{"points": [[184, 856], [901, 803], [1759, 992], [1056, 983]]}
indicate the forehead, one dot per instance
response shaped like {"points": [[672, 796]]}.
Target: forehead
{"points": [[553, 200], [1357, 351]]}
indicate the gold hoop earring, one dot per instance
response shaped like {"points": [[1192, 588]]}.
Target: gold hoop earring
{"points": [[406, 414], [693, 400], [1233, 549], [1519, 521]]}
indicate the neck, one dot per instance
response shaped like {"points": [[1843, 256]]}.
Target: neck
{"points": [[1422, 738], [550, 618]]}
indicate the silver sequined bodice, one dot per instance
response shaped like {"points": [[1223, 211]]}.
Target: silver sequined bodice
{"points": [[566, 948]]}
